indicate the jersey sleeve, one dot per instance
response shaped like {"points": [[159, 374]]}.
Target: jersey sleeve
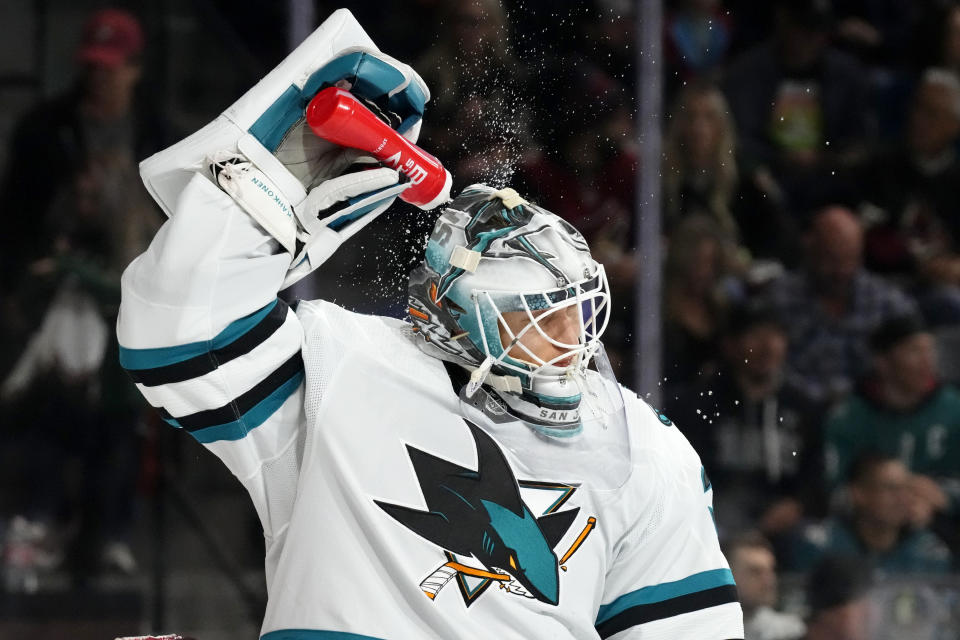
{"points": [[208, 343], [669, 579]]}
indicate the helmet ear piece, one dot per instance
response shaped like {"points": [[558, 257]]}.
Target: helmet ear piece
{"points": [[438, 319]]}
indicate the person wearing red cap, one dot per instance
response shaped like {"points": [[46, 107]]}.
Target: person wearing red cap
{"points": [[102, 118], [111, 37], [74, 213], [110, 54]]}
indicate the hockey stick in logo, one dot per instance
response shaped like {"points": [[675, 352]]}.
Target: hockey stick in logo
{"points": [[432, 584], [591, 523], [437, 580]]}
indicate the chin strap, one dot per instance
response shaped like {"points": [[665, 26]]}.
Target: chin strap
{"points": [[481, 375], [531, 415]]}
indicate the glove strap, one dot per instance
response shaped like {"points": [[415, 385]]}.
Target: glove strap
{"points": [[259, 196], [273, 168], [333, 230]]}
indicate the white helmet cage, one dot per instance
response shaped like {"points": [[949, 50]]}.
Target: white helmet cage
{"points": [[490, 253], [587, 298]]}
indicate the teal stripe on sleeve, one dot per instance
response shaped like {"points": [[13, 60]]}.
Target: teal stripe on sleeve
{"points": [[313, 634], [665, 591], [347, 218], [164, 356], [256, 416]]}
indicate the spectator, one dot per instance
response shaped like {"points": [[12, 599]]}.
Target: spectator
{"points": [[696, 271], [101, 115], [77, 226], [801, 107], [833, 304], [756, 434], [700, 177], [754, 569], [837, 595], [700, 171], [697, 37], [878, 528], [903, 411], [909, 193]]}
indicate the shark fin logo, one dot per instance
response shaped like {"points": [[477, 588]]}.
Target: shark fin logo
{"points": [[481, 514]]}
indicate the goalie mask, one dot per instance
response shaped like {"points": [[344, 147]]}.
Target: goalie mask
{"points": [[510, 291]]}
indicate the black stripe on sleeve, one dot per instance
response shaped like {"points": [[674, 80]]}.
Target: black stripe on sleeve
{"points": [[688, 603], [207, 362], [237, 408]]}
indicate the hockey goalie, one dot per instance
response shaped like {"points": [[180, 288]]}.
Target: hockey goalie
{"points": [[471, 471]]}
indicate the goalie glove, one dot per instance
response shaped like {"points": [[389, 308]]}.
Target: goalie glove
{"points": [[330, 214], [306, 191], [290, 181]]}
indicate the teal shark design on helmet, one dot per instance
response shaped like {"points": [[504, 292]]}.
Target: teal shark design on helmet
{"points": [[493, 252]]}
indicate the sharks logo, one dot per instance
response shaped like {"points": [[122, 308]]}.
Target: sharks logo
{"points": [[480, 513]]}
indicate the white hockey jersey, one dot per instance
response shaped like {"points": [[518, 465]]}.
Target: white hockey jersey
{"points": [[386, 513]]}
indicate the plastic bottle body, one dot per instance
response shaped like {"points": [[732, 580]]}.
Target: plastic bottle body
{"points": [[336, 115]]}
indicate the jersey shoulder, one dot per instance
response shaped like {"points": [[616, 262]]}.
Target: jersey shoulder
{"points": [[332, 336], [653, 433], [335, 330], [664, 461]]}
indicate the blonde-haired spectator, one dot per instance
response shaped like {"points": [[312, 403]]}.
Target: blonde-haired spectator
{"points": [[701, 177]]}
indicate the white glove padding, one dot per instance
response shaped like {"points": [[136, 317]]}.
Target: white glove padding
{"points": [[315, 209], [266, 124], [343, 205], [336, 210]]}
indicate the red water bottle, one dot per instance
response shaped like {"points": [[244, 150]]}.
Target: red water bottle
{"points": [[337, 116]]}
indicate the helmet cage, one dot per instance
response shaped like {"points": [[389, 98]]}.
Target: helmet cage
{"points": [[591, 298]]}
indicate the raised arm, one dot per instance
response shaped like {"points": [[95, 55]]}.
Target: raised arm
{"points": [[201, 329]]}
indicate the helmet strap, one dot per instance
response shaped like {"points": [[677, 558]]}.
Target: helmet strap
{"points": [[481, 375], [558, 423]]}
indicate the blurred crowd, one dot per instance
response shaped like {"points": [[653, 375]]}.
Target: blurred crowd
{"points": [[75, 215], [811, 280]]}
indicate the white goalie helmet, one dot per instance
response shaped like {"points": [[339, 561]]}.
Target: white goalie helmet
{"points": [[492, 253]]}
